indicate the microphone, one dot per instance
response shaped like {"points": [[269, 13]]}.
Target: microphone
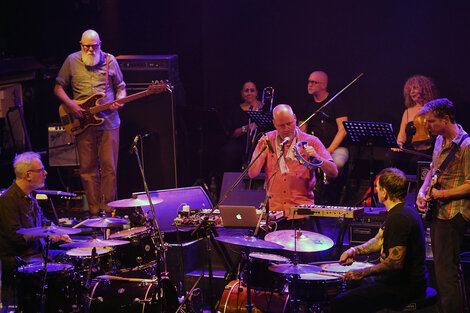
{"points": [[268, 143], [134, 143], [285, 141]]}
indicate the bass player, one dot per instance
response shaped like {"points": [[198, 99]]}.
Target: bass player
{"points": [[86, 73]]}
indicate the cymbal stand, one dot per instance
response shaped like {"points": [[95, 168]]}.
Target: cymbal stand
{"points": [[246, 256], [204, 223], [160, 248], [44, 276], [295, 277]]}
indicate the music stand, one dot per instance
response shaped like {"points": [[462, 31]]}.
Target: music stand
{"points": [[371, 134], [263, 120]]}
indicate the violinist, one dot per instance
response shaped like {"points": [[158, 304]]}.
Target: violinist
{"points": [[413, 135]]}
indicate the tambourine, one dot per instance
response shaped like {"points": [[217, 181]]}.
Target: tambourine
{"points": [[312, 164]]}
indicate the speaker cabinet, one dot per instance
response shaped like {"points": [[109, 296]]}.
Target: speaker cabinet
{"points": [[62, 147], [247, 192], [151, 117]]}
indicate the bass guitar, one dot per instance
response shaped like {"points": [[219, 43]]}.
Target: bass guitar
{"points": [[75, 126], [431, 205]]}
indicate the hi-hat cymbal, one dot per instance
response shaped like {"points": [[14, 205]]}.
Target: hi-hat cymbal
{"points": [[104, 222], [48, 231], [133, 202], [300, 240], [249, 241], [292, 269], [94, 243]]}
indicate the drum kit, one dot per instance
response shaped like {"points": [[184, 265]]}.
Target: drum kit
{"points": [[275, 283], [119, 273]]}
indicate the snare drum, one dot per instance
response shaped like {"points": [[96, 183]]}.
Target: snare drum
{"points": [[315, 287], [58, 292], [234, 300], [261, 277], [342, 269], [141, 249], [113, 294]]}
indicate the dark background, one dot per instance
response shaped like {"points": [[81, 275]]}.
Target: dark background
{"points": [[221, 44]]}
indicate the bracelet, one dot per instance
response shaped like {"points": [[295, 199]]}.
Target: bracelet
{"points": [[354, 251], [244, 129]]}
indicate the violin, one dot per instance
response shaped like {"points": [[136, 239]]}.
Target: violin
{"points": [[421, 139]]}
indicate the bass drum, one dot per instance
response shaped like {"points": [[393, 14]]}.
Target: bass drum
{"points": [[234, 300], [59, 295], [114, 294]]}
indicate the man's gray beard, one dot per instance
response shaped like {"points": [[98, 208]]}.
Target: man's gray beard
{"points": [[91, 60]]}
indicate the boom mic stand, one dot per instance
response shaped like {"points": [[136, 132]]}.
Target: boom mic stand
{"points": [[204, 223], [159, 244]]}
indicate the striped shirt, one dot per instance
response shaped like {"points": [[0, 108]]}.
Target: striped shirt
{"points": [[456, 174]]}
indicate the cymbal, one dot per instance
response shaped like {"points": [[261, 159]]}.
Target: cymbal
{"points": [[249, 241], [51, 230], [104, 222], [292, 269], [94, 243], [304, 241], [133, 202], [87, 252]]}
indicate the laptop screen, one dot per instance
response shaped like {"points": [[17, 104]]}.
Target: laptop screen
{"points": [[239, 216]]}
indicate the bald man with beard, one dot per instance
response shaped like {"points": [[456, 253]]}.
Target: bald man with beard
{"points": [[85, 73]]}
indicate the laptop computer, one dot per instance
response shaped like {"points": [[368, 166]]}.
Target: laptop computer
{"points": [[237, 216]]}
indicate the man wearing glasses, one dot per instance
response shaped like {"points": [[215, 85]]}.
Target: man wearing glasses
{"points": [[86, 73], [327, 124], [19, 209]]}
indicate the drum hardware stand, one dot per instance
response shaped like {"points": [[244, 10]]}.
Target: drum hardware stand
{"points": [[44, 276], [160, 247], [205, 224], [189, 294]]}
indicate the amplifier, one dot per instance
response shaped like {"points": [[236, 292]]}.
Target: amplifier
{"points": [[366, 226], [144, 69], [62, 147]]}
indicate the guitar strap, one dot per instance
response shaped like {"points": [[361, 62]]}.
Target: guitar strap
{"points": [[451, 154], [107, 71]]}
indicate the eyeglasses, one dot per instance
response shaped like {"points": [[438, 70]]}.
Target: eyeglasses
{"points": [[95, 46], [40, 170], [314, 82]]}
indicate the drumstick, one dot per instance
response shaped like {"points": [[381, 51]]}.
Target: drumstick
{"points": [[79, 224], [330, 274]]}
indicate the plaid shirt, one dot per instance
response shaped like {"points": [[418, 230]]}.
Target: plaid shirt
{"points": [[456, 174]]}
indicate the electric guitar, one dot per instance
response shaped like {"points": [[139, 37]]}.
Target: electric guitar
{"points": [[431, 205], [75, 126]]}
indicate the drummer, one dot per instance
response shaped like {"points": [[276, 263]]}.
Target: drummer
{"points": [[290, 183], [401, 275], [19, 209]]}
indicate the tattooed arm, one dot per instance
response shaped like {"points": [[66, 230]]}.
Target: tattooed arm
{"points": [[394, 261], [371, 246]]}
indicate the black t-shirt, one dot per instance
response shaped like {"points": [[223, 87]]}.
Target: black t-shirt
{"points": [[403, 227], [323, 124]]}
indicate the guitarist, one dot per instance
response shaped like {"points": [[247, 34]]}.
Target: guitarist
{"points": [[86, 73], [451, 197]]}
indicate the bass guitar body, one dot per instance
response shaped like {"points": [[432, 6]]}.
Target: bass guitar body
{"points": [[432, 204], [76, 126]]}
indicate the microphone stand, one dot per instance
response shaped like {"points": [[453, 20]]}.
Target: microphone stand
{"points": [[268, 190], [333, 98], [204, 223], [159, 244]]}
